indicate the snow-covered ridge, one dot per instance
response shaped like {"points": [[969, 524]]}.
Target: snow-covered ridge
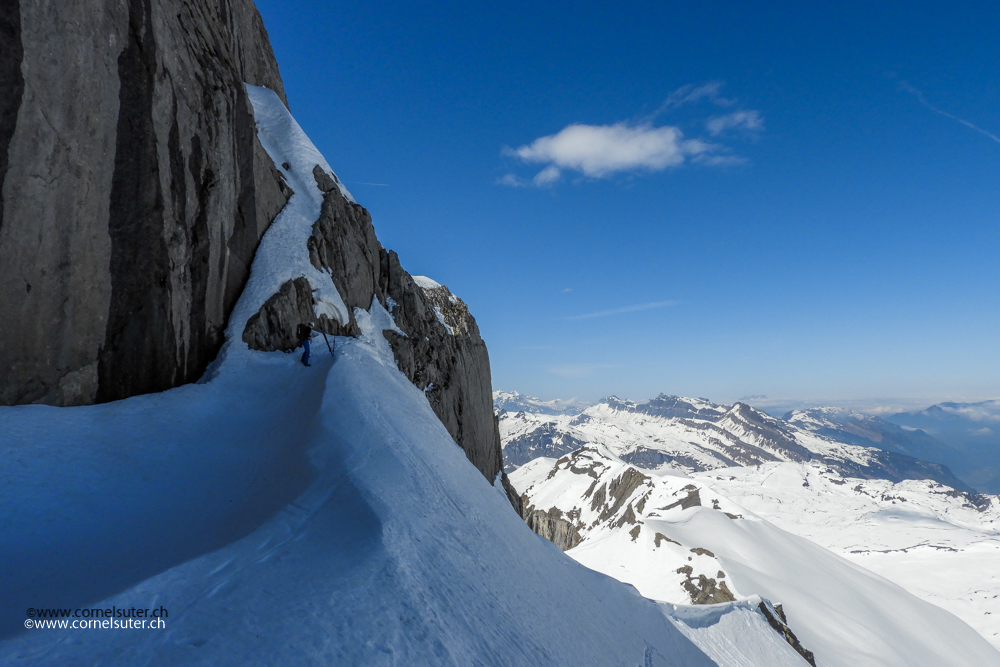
{"points": [[297, 516], [681, 538], [696, 435], [921, 535], [426, 283], [512, 401]]}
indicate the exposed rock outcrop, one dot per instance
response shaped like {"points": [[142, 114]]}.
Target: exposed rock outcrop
{"points": [[621, 490], [275, 325], [552, 527], [692, 499], [776, 619], [134, 195], [452, 367], [134, 191], [704, 590], [343, 242], [440, 351], [564, 529]]}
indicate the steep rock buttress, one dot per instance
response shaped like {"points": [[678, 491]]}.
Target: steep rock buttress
{"points": [[440, 349], [134, 192]]}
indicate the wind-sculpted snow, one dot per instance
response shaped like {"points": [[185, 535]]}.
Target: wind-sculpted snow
{"points": [[302, 516], [398, 552], [729, 634], [683, 539], [696, 435]]}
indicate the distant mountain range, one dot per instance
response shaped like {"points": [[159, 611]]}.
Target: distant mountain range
{"points": [[696, 435], [690, 500], [971, 436], [511, 401], [710, 538]]}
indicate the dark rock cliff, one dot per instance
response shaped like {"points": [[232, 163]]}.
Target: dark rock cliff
{"points": [[441, 350], [134, 190], [133, 195]]}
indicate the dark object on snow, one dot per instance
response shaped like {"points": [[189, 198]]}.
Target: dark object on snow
{"points": [[776, 618], [328, 346], [304, 333]]}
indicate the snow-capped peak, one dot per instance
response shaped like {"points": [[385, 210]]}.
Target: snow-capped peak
{"points": [[512, 401]]}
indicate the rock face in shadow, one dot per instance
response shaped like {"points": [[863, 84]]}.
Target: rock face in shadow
{"points": [[134, 191], [440, 351], [271, 328], [134, 195]]}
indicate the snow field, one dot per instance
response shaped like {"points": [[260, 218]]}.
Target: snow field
{"points": [[916, 533], [847, 615], [292, 516]]}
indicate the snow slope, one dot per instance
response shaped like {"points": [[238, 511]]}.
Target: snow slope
{"points": [[293, 516], [923, 536], [658, 530]]}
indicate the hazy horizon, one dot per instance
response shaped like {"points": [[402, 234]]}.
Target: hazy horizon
{"points": [[778, 406]]}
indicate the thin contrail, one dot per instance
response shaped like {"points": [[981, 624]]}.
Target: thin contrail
{"points": [[923, 100], [626, 309]]}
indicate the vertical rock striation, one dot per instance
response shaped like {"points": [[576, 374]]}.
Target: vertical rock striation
{"points": [[134, 191], [133, 195]]}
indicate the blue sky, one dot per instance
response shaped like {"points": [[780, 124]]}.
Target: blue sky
{"points": [[715, 199]]}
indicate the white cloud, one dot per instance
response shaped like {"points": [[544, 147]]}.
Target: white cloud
{"points": [[690, 93], [547, 176], [512, 180], [626, 309], [600, 150], [739, 120]]}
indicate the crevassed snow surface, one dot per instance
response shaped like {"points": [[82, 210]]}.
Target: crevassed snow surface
{"points": [[293, 516], [848, 615]]}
